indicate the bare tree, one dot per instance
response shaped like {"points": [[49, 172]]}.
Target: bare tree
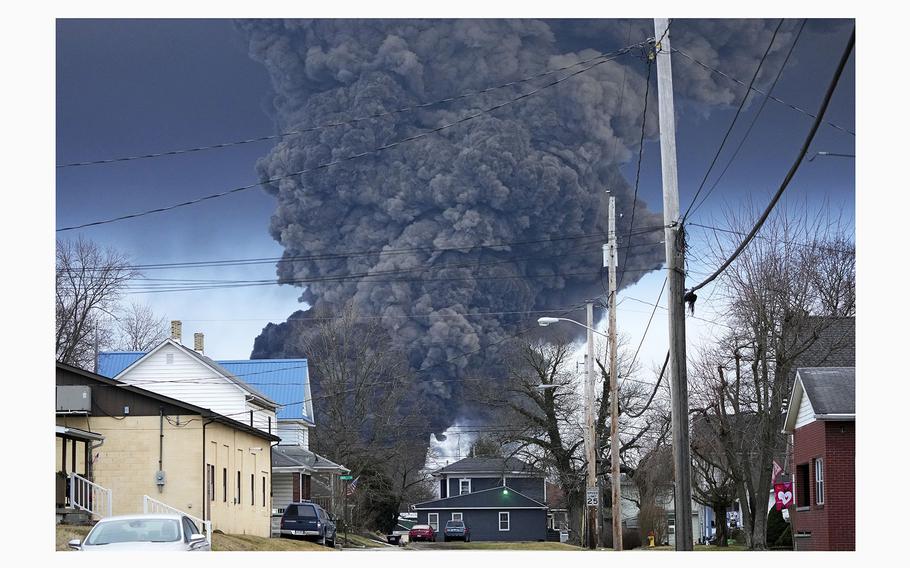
{"points": [[89, 282], [780, 296], [139, 328], [540, 414], [368, 416]]}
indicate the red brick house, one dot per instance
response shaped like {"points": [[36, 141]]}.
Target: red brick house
{"points": [[821, 420]]}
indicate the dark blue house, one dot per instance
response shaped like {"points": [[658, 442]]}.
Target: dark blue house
{"points": [[497, 498]]}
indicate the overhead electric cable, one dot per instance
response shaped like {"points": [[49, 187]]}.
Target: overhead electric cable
{"points": [[751, 125], [373, 151], [800, 157], [337, 123], [641, 149], [739, 110], [773, 98]]}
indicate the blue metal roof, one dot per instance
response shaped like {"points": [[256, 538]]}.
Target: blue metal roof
{"points": [[111, 363], [284, 381]]}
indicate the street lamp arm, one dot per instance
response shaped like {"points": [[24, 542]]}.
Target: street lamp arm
{"points": [[544, 322]]}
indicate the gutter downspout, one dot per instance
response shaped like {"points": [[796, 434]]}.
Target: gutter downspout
{"points": [[161, 443], [206, 504]]}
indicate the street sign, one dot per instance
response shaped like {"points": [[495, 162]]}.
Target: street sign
{"points": [[591, 496], [345, 477]]}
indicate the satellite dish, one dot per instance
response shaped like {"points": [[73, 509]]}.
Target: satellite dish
{"points": [[440, 437]]}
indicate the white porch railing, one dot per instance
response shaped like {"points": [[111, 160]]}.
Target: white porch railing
{"points": [[150, 505], [90, 496]]}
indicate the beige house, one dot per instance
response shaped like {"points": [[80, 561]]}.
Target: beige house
{"points": [[117, 443]]}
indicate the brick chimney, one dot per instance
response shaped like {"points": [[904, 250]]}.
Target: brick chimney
{"points": [[199, 343], [176, 330]]}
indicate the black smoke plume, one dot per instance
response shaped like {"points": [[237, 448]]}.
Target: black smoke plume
{"points": [[532, 173]]}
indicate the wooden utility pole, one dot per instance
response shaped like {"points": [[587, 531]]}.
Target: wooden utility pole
{"points": [[675, 249], [590, 439], [614, 386]]}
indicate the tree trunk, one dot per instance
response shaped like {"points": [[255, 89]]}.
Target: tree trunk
{"points": [[720, 523]]}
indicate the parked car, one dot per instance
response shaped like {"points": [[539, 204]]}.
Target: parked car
{"points": [[308, 520], [456, 530], [422, 532], [166, 533]]}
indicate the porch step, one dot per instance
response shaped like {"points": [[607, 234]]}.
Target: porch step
{"points": [[71, 516]]}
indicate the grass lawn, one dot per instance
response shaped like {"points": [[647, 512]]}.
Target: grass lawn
{"points": [[497, 546], [358, 541], [258, 543], [66, 533], [704, 548]]}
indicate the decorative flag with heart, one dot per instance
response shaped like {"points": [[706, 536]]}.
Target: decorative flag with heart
{"points": [[783, 493]]}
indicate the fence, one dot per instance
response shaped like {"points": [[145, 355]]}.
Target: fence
{"points": [[150, 505]]}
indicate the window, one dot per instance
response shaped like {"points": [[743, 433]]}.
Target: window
{"points": [[464, 486], [263, 491], [252, 489], [238, 487], [224, 484], [802, 485], [189, 529], [457, 517], [210, 485], [433, 520], [819, 482], [503, 521]]}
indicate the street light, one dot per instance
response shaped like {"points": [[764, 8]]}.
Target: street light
{"points": [[544, 322], [590, 443]]}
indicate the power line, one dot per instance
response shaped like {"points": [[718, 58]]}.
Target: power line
{"points": [[802, 154], [739, 110], [337, 123], [216, 263], [647, 327], [641, 149], [373, 151], [787, 242], [622, 96], [751, 124], [773, 98], [142, 281]]}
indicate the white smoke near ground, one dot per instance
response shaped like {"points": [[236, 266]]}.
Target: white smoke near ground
{"points": [[533, 172], [450, 446]]}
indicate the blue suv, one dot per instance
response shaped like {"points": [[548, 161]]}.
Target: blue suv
{"points": [[308, 520]]}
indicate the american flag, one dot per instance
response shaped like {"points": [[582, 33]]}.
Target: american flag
{"points": [[353, 486]]}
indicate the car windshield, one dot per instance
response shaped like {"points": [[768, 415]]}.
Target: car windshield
{"points": [[455, 524], [134, 530]]}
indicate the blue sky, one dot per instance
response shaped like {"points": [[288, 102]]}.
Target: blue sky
{"points": [[127, 87]]}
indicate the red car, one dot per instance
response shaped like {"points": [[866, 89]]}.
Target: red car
{"points": [[422, 532]]}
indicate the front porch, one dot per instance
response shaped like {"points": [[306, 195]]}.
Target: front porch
{"points": [[78, 500]]}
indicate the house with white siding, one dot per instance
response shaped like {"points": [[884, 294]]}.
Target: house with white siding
{"points": [[176, 371], [273, 395]]}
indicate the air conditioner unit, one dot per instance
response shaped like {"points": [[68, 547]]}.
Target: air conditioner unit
{"points": [[74, 399]]}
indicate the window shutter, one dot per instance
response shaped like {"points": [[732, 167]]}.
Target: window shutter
{"points": [[296, 485], [306, 486]]}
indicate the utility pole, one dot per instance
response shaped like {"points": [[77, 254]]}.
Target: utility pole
{"points": [[590, 440], [614, 385], [675, 249]]}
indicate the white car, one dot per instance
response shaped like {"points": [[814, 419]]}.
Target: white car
{"points": [[166, 533]]}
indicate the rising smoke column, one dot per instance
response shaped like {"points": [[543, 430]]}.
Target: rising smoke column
{"points": [[532, 171]]}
